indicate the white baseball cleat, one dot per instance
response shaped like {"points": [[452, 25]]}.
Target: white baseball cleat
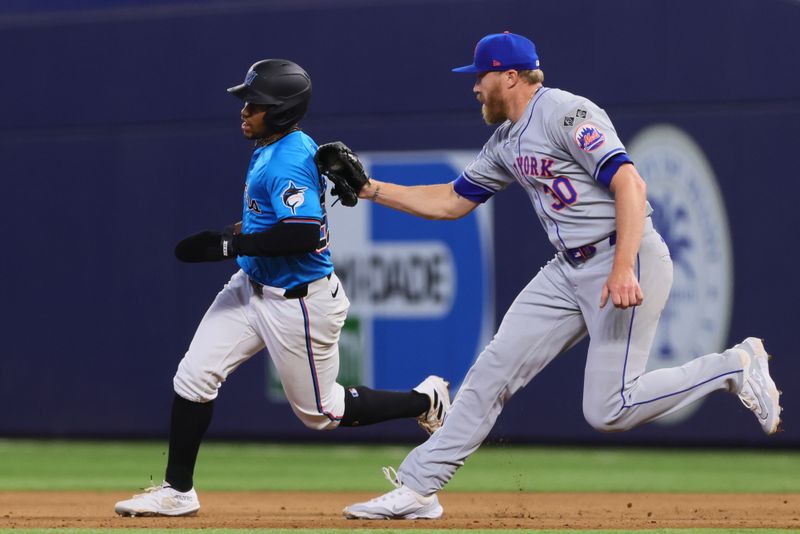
{"points": [[400, 503], [436, 388], [759, 393], [160, 500]]}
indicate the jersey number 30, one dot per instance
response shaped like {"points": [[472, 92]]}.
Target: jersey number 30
{"points": [[562, 192]]}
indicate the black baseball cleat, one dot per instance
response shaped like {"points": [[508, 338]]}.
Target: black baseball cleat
{"points": [[436, 388]]}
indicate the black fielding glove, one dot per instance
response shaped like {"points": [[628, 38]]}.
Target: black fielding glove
{"points": [[342, 167], [206, 246]]}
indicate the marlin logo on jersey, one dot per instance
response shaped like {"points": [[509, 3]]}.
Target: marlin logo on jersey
{"points": [[251, 203], [294, 196], [589, 137]]}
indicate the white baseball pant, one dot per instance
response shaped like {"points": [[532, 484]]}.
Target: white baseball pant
{"points": [[301, 335]]}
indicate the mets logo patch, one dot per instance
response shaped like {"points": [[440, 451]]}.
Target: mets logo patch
{"points": [[589, 137], [293, 196]]}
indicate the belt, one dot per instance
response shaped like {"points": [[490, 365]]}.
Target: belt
{"points": [[293, 293], [580, 255]]}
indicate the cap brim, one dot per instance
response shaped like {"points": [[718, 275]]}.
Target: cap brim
{"points": [[246, 93], [468, 68], [501, 68], [238, 90]]}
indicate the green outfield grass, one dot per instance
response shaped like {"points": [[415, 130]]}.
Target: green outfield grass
{"points": [[386, 531], [111, 466]]}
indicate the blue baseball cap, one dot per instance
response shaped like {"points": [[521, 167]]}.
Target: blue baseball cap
{"points": [[503, 51]]}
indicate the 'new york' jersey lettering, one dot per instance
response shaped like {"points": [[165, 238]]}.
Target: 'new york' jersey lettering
{"points": [[556, 151]]}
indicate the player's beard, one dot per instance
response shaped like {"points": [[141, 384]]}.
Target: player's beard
{"points": [[493, 110], [257, 133]]}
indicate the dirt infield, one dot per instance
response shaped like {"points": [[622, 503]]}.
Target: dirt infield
{"points": [[462, 510]]}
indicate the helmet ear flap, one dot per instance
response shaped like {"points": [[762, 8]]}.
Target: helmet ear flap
{"points": [[265, 118], [282, 117]]}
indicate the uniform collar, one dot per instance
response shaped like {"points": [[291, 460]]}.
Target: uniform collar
{"points": [[267, 141], [523, 121]]}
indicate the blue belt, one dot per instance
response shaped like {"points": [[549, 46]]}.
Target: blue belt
{"points": [[578, 256]]}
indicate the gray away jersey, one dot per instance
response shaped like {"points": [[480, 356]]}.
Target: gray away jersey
{"points": [[557, 151]]}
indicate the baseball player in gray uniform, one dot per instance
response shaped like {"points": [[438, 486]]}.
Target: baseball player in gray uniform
{"points": [[609, 278]]}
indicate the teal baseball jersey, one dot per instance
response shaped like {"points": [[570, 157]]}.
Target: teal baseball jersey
{"points": [[283, 185]]}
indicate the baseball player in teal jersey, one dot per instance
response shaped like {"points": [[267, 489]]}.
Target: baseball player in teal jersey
{"points": [[564, 152], [285, 297]]}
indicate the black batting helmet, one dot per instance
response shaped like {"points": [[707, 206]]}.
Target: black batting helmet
{"points": [[280, 84]]}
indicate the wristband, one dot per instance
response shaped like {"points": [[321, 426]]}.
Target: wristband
{"points": [[228, 242]]}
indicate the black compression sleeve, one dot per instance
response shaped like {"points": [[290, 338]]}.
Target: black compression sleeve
{"points": [[282, 239], [365, 406]]}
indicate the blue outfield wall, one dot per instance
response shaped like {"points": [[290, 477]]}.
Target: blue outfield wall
{"points": [[117, 138]]}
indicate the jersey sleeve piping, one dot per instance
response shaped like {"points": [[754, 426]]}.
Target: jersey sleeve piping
{"points": [[473, 182], [611, 166], [603, 161], [301, 220], [470, 190]]}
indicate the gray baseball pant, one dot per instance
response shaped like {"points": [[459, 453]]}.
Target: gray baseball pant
{"points": [[557, 309]]}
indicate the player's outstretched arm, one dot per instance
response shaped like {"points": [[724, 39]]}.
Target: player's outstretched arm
{"points": [[283, 239], [341, 166], [439, 201]]}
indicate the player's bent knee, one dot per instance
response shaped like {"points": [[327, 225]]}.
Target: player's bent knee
{"points": [[604, 421], [318, 413], [313, 417], [194, 383], [318, 422], [603, 426]]}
